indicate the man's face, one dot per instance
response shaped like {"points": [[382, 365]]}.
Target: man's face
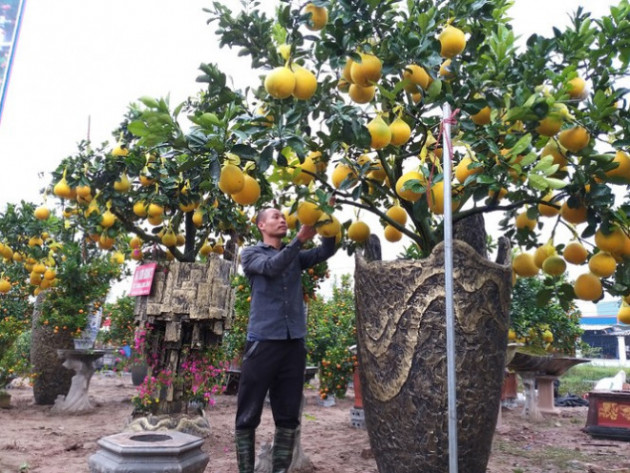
{"points": [[273, 223]]}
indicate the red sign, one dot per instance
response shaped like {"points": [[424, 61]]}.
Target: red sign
{"points": [[142, 280]]}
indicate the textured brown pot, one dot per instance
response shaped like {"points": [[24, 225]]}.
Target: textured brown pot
{"points": [[402, 353], [51, 377]]}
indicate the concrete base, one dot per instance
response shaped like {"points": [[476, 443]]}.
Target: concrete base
{"points": [[546, 404], [168, 451]]}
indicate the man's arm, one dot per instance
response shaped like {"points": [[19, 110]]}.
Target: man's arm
{"points": [[254, 261], [316, 255]]}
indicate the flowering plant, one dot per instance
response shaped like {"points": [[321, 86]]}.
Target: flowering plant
{"points": [[203, 376]]}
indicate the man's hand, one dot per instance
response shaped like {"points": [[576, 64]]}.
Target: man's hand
{"points": [[306, 233]]}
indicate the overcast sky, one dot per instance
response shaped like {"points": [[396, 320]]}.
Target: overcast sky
{"points": [[77, 59]]}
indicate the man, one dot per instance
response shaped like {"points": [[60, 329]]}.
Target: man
{"points": [[275, 353]]}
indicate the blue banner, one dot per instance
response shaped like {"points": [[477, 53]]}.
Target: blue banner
{"points": [[10, 20]]}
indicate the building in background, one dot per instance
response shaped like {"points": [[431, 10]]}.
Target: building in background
{"points": [[603, 331], [10, 20]]}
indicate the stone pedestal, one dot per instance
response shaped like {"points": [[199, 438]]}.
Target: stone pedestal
{"points": [[545, 394], [169, 451], [82, 362]]}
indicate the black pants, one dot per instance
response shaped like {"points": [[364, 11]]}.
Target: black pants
{"points": [[276, 366]]}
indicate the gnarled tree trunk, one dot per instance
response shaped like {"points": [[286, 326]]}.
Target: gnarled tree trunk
{"points": [[402, 354]]}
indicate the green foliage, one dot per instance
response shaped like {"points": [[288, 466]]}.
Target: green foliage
{"points": [[84, 286], [331, 332], [122, 328], [530, 320]]}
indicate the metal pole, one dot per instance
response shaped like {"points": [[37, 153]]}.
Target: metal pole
{"points": [[448, 286]]}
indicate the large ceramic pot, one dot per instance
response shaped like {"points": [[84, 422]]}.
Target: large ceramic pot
{"points": [[402, 355]]}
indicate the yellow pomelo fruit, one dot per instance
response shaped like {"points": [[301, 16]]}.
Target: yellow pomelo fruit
{"points": [[117, 257], [417, 76], [280, 82], [137, 254], [291, 219], [232, 179], [84, 191], [358, 231], [328, 225], [401, 132], [409, 194], [341, 173], [482, 117], [205, 249], [140, 208], [573, 215], [105, 242], [360, 94], [346, 72], [548, 210], [575, 253], [612, 242], [318, 18], [377, 172], [574, 139], [250, 192], [308, 166], [35, 278], [498, 195], [397, 214], [435, 198], [462, 171], [452, 41], [554, 265], [523, 265], [623, 315], [122, 184], [602, 264], [588, 287], [379, 132], [416, 97], [542, 253], [367, 72], [155, 210], [547, 336], [41, 213], [169, 238], [39, 268], [197, 218], [146, 181], [189, 207], [549, 126], [5, 286], [62, 189], [445, 69], [621, 174], [392, 234], [108, 219], [552, 149], [511, 335], [308, 213], [305, 83], [155, 220], [523, 221], [181, 239], [577, 88], [135, 242]]}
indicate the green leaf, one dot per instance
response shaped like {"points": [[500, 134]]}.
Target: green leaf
{"points": [[537, 182], [521, 145], [138, 128], [554, 183], [149, 102]]}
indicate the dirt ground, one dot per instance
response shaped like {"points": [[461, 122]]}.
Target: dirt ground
{"points": [[32, 439]]}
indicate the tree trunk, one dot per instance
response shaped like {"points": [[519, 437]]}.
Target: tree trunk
{"points": [[402, 355], [51, 377]]}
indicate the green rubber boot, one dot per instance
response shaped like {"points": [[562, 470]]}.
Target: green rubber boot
{"points": [[245, 440], [282, 453]]}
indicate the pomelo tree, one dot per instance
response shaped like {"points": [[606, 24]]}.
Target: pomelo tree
{"points": [[345, 107]]}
